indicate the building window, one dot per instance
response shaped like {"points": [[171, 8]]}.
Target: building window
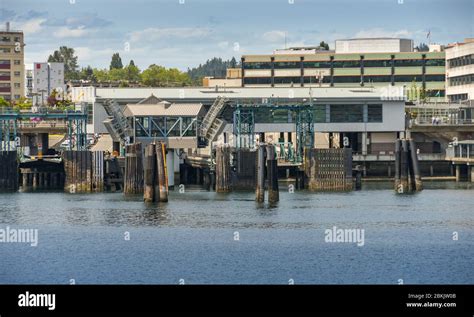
{"points": [[435, 78], [17, 74], [377, 79], [17, 39], [346, 79], [280, 65], [407, 78], [435, 62], [37, 81], [17, 96], [287, 80], [59, 72], [346, 64], [374, 113], [258, 65], [257, 81], [17, 85], [316, 79], [322, 64], [319, 113], [347, 113], [17, 62], [377, 63], [6, 39], [4, 85], [5, 50], [408, 62]]}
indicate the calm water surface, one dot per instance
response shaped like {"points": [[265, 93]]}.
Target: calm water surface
{"points": [[82, 237]]}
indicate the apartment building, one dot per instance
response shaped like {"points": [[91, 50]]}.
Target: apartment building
{"points": [[460, 71], [12, 65]]}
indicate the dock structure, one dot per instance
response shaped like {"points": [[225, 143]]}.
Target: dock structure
{"points": [[328, 169], [133, 178], [161, 187], [78, 171]]}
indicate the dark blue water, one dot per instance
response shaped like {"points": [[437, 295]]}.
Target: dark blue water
{"points": [[82, 237]]}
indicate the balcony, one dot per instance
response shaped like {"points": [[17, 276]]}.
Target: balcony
{"points": [[5, 66], [5, 78], [5, 89]]}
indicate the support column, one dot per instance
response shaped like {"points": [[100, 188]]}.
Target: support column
{"points": [[364, 143], [472, 173], [458, 173]]}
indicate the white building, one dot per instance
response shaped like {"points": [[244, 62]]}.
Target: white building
{"points": [[46, 78], [460, 71], [374, 45]]}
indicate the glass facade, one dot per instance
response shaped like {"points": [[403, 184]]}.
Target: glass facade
{"points": [[282, 65], [322, 64], [408, 62], [346, 64], [346, 113], [287, 80], [377, 63], [374, 113], [257, 65]]}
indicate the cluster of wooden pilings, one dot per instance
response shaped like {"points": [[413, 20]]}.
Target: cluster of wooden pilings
{"points": [[407, 171], [156, 173], [33, 178], [266, 153], [133, 178], [84, 171], [328, 169], [8, 171]]}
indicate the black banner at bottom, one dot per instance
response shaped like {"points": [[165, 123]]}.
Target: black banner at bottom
{"points": [[449, 300]]}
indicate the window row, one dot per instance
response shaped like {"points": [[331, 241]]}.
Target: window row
{"points": [[461, 80], [461, 61], [342, 79], [345, 64]]}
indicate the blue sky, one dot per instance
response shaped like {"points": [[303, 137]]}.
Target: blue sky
{"points": [[171, 34]]}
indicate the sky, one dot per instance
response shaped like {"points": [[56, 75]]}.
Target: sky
{"points": [[185, 33]]}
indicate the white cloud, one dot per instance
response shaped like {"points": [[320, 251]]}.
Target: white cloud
{"points": [[380, 32], [64, 32], [154, 34], [274, 36], [30, 26]]}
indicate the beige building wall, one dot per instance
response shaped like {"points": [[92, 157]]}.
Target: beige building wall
{"points": [[12, 65]]}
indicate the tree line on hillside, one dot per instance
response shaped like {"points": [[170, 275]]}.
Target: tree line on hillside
{"points": [[155, 75]]}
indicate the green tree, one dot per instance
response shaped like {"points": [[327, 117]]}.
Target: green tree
{"points": [[132, 72], [87, 74], [4, 103], [159, 76], [215, 67], [116, 62], [116, 74], [101, 75], [324, 45], [66, 55], [422, 47]]}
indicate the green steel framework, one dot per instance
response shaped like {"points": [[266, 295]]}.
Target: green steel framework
{"points": [[244, 124], [76, 125]]}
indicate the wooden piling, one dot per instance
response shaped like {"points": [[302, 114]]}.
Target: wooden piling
{"points": [[77, 170], [403, 187], [272, 173], [418, 186], [398, 147], [133, 178], [222, 169], [260, 184], [150, 173], [162, 171]]}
